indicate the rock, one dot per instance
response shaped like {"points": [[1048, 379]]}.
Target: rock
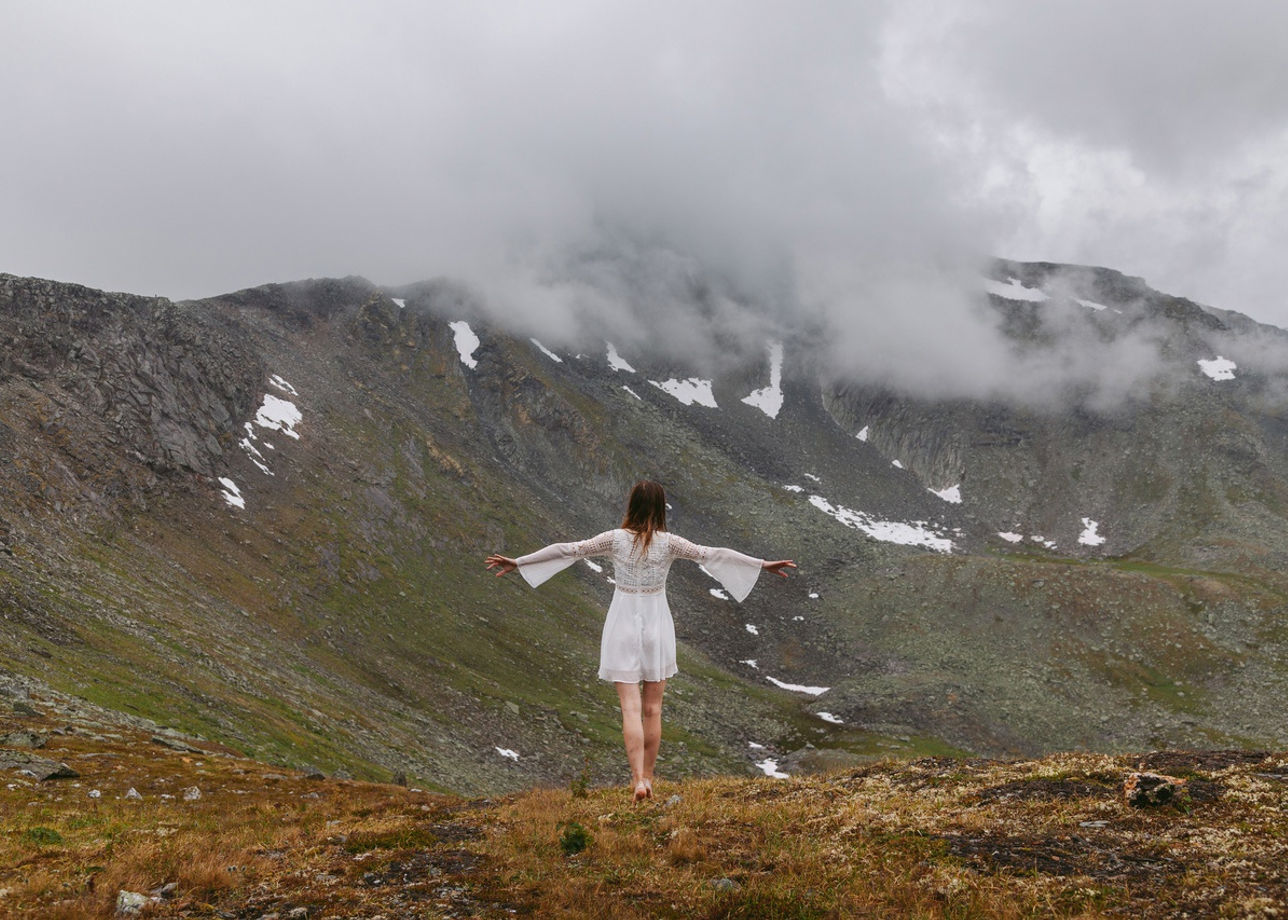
{"points": [[191, 794], [24, 739], [725, 884], [175, 744], [22, 709], [129, 903], [39, 767], [1147, 790], [674, 800], [297, 913], [166, 891], [133, 794]]}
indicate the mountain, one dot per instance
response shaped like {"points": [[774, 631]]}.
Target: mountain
{"points": [[260, 519]]}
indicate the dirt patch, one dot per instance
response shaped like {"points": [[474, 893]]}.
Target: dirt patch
{"points": [[1063, 857], [1180, 762], [1041, 789]]}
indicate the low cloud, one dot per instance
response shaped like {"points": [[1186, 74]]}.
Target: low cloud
{"points": [[692, 177]]}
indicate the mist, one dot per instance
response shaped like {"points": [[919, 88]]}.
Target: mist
{"points": [[697, 178]]}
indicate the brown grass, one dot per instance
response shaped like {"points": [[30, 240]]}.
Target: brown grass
{"points": [[928, 839]]}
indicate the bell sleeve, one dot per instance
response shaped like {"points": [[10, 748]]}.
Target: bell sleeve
{"points": [[736, 571], [537, 568]]}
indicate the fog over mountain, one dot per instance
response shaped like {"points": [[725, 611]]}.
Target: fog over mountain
{"points": [[703, 176]]}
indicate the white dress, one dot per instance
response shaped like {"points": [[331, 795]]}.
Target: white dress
{"points": [[639, 635]]}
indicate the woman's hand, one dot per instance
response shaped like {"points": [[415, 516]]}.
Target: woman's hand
{"points": [[778, 567], [504, 564]]}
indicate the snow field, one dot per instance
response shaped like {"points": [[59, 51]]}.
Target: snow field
{"points": [[466, 342]]}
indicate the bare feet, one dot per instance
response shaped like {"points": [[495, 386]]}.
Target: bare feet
{"points": [[648, 784], [642, 791]]}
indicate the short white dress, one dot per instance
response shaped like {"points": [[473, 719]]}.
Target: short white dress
{"points": [[639, 635]]}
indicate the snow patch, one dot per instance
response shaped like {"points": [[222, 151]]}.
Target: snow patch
{"points": [[863, 435], [466, 342], [279, 415], [1010, 537], [282, 385], [632, 392], [750, 662], [812, 477], [1049, 544], [400, 301], [594, 566], [898, 465], [1013, 290], [716, 592], [794, 488], [813, 595], [752, 629], [1091, 304], [1089, 535], [916, 533], [231, 493], [690, 391], [506, 752], [770, 399], [754, 746], [547, 352], [769, 767], [828, 717], [797, 688], [616, 361], [952, 494], [1218, 368], [798, 619]]}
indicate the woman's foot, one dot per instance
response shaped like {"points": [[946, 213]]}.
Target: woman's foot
{"points": [[642, 791], [648, 784]]}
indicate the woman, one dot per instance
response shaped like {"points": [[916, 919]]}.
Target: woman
{"points": [[638, 644]]}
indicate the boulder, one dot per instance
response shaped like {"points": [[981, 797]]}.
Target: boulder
{"points": [[1149, 790]]}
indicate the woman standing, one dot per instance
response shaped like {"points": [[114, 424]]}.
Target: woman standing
{"points": [[638, 643]]}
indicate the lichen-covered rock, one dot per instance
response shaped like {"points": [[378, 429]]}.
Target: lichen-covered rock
{"points": [[1149, 790]]}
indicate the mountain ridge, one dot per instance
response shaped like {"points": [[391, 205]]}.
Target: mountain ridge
{"points": [[341, 618]]}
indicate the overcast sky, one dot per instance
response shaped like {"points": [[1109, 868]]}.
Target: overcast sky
{"points": [[839, 153]]}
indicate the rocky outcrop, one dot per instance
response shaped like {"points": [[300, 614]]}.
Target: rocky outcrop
{"points": [[169, 383]]}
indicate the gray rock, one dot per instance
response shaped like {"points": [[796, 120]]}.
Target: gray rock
{"points": [[39, 767], [725, 884], [24, 739], [129, 903]]}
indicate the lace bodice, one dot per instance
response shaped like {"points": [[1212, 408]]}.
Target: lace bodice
{"points": [[644, 573]]}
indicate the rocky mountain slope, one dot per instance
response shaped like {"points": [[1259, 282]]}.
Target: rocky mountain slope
{"points": [[261, 518]]}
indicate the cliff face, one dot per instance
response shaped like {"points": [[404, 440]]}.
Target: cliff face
{"points": [[262, 517]]}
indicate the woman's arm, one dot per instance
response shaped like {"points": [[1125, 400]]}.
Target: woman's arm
{"points": [[736, 571], [550, 560]]}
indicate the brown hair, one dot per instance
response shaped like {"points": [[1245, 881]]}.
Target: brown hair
{"points": [[645, 512]]}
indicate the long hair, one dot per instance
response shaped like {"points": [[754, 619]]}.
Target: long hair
{"points": [[645, 513]]}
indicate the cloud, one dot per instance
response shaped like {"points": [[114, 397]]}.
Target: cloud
{"points": [[693, 175]]}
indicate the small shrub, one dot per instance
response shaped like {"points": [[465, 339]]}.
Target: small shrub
{"points": [[42, 836], [574, 838], [580, 784]]}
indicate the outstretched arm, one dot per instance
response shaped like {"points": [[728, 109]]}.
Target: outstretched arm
{"points": [[550, 560]]}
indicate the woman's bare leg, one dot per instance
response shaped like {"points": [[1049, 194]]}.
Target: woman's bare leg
{"points": [[633, 735], [651, 716]]}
